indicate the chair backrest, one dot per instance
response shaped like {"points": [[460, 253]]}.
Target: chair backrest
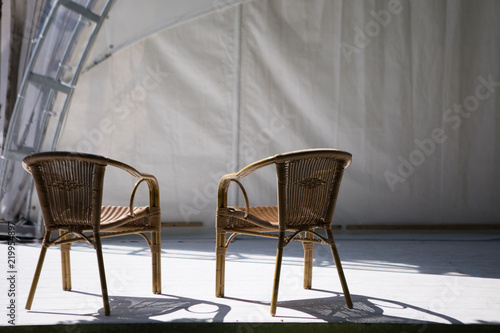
{"points": [[308, 185], [69, 187]]}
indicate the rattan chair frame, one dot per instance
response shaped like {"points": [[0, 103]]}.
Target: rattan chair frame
{"points": [[281, 229], [70, 191]]}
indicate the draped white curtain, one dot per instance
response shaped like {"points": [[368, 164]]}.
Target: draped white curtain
{"points": [[410, 88]]}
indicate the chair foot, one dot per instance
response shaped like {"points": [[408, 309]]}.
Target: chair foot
{"points": [[219, 287], [340, 271], [220, 264], [102, 274], [36, 277], [308, 261], [219, 278], [277, 272], [156, 261], [38, 271], [65, 264]]}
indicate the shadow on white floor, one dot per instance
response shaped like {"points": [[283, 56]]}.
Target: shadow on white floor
{"points": [[447, 279]]}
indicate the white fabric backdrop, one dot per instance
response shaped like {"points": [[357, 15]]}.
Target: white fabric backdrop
{"points": [[410, 88]]}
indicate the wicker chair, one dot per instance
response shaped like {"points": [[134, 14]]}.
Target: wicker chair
{"points": [[70, 190], [308, 185]]}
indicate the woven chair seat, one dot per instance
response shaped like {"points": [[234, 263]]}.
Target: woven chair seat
{"points": [[260, 218], [263, 213], [118, 217]]}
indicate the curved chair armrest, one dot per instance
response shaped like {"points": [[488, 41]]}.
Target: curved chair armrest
{"points": [[247, 203], [226, 180], [154, 189], [133, 171]]}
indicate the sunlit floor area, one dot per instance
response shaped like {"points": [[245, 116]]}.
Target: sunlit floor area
{"points": [[419, 280]]}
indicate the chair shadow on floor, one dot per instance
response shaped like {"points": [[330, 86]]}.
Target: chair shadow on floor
{"points": [[130, 309], [365, 310]]}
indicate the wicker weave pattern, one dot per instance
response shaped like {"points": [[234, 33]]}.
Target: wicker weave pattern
{"points": [[71, 185], [309, 185]]}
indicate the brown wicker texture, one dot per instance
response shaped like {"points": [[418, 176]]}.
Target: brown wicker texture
{"points": [[70, 190], [308, 186]]}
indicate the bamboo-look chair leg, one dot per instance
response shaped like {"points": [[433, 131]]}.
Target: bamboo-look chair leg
{"points": [[220, 263], [277, 272], [308, 261], [65, 265], [156, 261], [102, 274], [340, 271], [38, 270]]}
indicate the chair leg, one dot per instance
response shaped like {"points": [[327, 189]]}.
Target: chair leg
{"points": [[102, 274], [277, 272], [338, 264], [38, 270], [65, 264], [156, 261], [220, 263], [308, 261]]}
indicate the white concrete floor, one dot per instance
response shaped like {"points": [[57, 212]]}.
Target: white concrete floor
{"points": [[393, 278]]}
